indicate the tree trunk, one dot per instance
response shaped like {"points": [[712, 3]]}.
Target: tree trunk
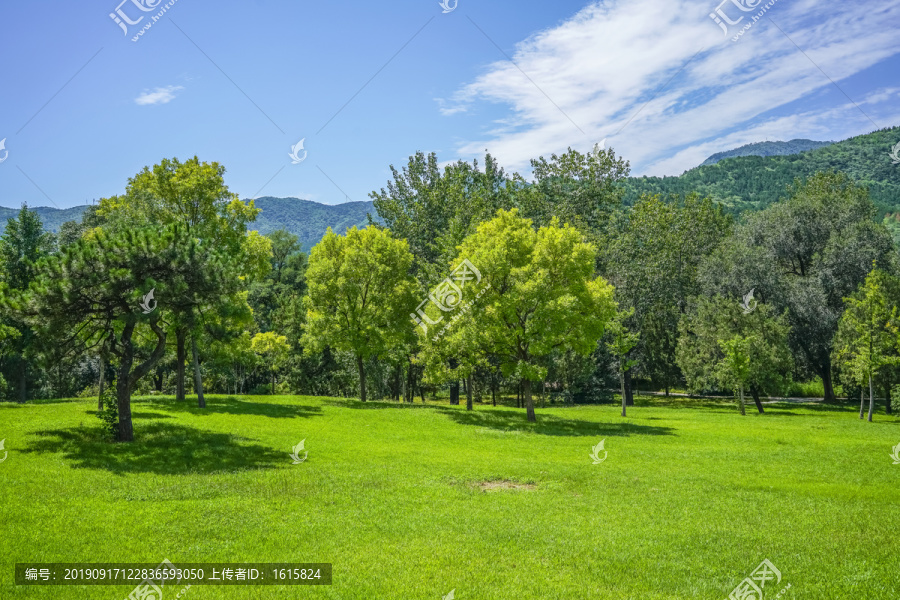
{"points": [[667, 391], [198, 380], [862, 401], [469, 392], [158, 380], [629, 400], [887, 399], [622, 385], [180, 358], [454, 385], [825, 373], [755, 391], [741, 399], [493, 392], [362, 378], [529, 401], [102, 381], [127, 378], [871, 398]]}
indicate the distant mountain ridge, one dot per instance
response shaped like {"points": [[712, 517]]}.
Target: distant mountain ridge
{"points": [[306, 219], [754, 182], [767, 149]]}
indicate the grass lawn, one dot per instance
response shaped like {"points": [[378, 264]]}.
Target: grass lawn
{"points": [[690, 499]]}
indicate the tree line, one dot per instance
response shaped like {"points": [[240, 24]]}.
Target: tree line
{"points": [[476, 280]]}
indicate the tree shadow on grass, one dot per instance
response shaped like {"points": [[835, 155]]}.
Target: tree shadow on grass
{"points": [[160, 448], [515, 420], [232, 406]]}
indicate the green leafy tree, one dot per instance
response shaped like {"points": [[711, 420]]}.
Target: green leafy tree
{"points": [[803, 256], [716, 335], [272, 349], [652, 257], [360, 295], [541, 296], [621, 343], [866, 340]]}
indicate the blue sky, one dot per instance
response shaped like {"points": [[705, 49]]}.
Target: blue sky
{"points": [[366, 84]]}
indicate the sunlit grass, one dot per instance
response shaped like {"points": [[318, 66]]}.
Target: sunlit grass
{"points": [[691, 498]]}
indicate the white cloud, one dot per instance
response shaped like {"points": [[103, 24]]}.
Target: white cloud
{"points": [[160, 95], [657, 78]]}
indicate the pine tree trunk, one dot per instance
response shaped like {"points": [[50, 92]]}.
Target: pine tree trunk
{"points": [[198, 380], [741, 399], [180, 358], [362, 378], [469, 393], [529, 401], [622, 385], [871, 398], [755, 391]]}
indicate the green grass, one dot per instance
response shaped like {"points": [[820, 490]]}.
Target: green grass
{"points": [[691, 498]]}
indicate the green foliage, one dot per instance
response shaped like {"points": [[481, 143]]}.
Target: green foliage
{"points": [[867, 336], [721, 347], [755, 182], [767, 149], [109, 414]]}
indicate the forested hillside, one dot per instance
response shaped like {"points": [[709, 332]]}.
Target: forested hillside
{"points": [[309, 220], [766, 149], [754, 182]]}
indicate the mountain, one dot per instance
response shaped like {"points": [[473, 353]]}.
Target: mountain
{"points": [[52, 218], [767, 149], [309, 220], [754, 182], [306, 219]]}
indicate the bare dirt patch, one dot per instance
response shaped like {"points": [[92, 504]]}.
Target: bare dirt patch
{"points": [[504, 484]]}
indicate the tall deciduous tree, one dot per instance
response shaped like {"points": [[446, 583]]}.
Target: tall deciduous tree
{"points": [[804, 255], [866, 340], [541, 296], [360, 295]]}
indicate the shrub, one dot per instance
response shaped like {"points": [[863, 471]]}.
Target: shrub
{"points": [[109, 415]]}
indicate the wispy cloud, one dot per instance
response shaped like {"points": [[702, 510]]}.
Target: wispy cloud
{"points": [[160, 95], [658, 80]]}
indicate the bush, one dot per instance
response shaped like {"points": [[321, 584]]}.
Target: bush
{"points": [[109, 414]]}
